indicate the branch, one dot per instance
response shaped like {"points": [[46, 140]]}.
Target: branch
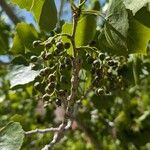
{"points": [[41, 131], [58, 135], [8, 10]]}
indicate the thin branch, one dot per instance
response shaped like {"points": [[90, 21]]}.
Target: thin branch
{"points": [[41, 131], [10, 13], [58, 135]]}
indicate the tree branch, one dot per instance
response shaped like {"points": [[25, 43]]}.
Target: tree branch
{"points": [[42, 131], [10, 13]]}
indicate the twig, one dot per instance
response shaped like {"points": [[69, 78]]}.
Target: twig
{"points": [[42, 131], [58, 135]]}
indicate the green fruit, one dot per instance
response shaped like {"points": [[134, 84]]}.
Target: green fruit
{"points": [[96, 81], [100, 91], [67, 61], [48, 56], [51, 78], [58, 51], [47, 70], [92, 43], [67, 45], [33, 58], [96, 64], [36, 43], [43, 53], [111, 63], [89, 59], [62, 93], [36, 85], [39, 86], [42, 72], [51, 85], [58, 102], [48, 45], [101, 56], [60, 45], [46, 97]]}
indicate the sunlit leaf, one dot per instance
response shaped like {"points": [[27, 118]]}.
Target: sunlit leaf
{"points": [[11, 136], [135, 5], [21, 75], [138, 38], [44, 11], [86, 30]]}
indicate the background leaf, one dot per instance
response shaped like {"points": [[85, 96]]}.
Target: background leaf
{"points": [[44, 12], [21, 75], [18, 46], [11, 136], [138, 38], [144, 20], [48, 17], [135, 5], [86, 30], [116, 29], [23, 40]]}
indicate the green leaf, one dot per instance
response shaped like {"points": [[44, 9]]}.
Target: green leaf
{"points": [[86, 29], [27, 34], [116, 27], [135, 5], [143, 16], [24, 38], [44, 12], [48, 17], [21, 75], [20, 60], [67, 28], [11, 136], [18, 46], [138, 38]]}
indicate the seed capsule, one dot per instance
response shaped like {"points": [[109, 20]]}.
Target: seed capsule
{"points": [[58, 102], [67, 45], [62, 93], [51, 78], [101, 56], [50, 88], [48, 45], [60, 45], [100, 91], [111, 63], [33, 58], [36, 43], [96, 64], [48, 56], [46, 97]]}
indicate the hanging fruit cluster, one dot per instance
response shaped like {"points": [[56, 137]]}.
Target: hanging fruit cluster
{"points": [[55, 67]]}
